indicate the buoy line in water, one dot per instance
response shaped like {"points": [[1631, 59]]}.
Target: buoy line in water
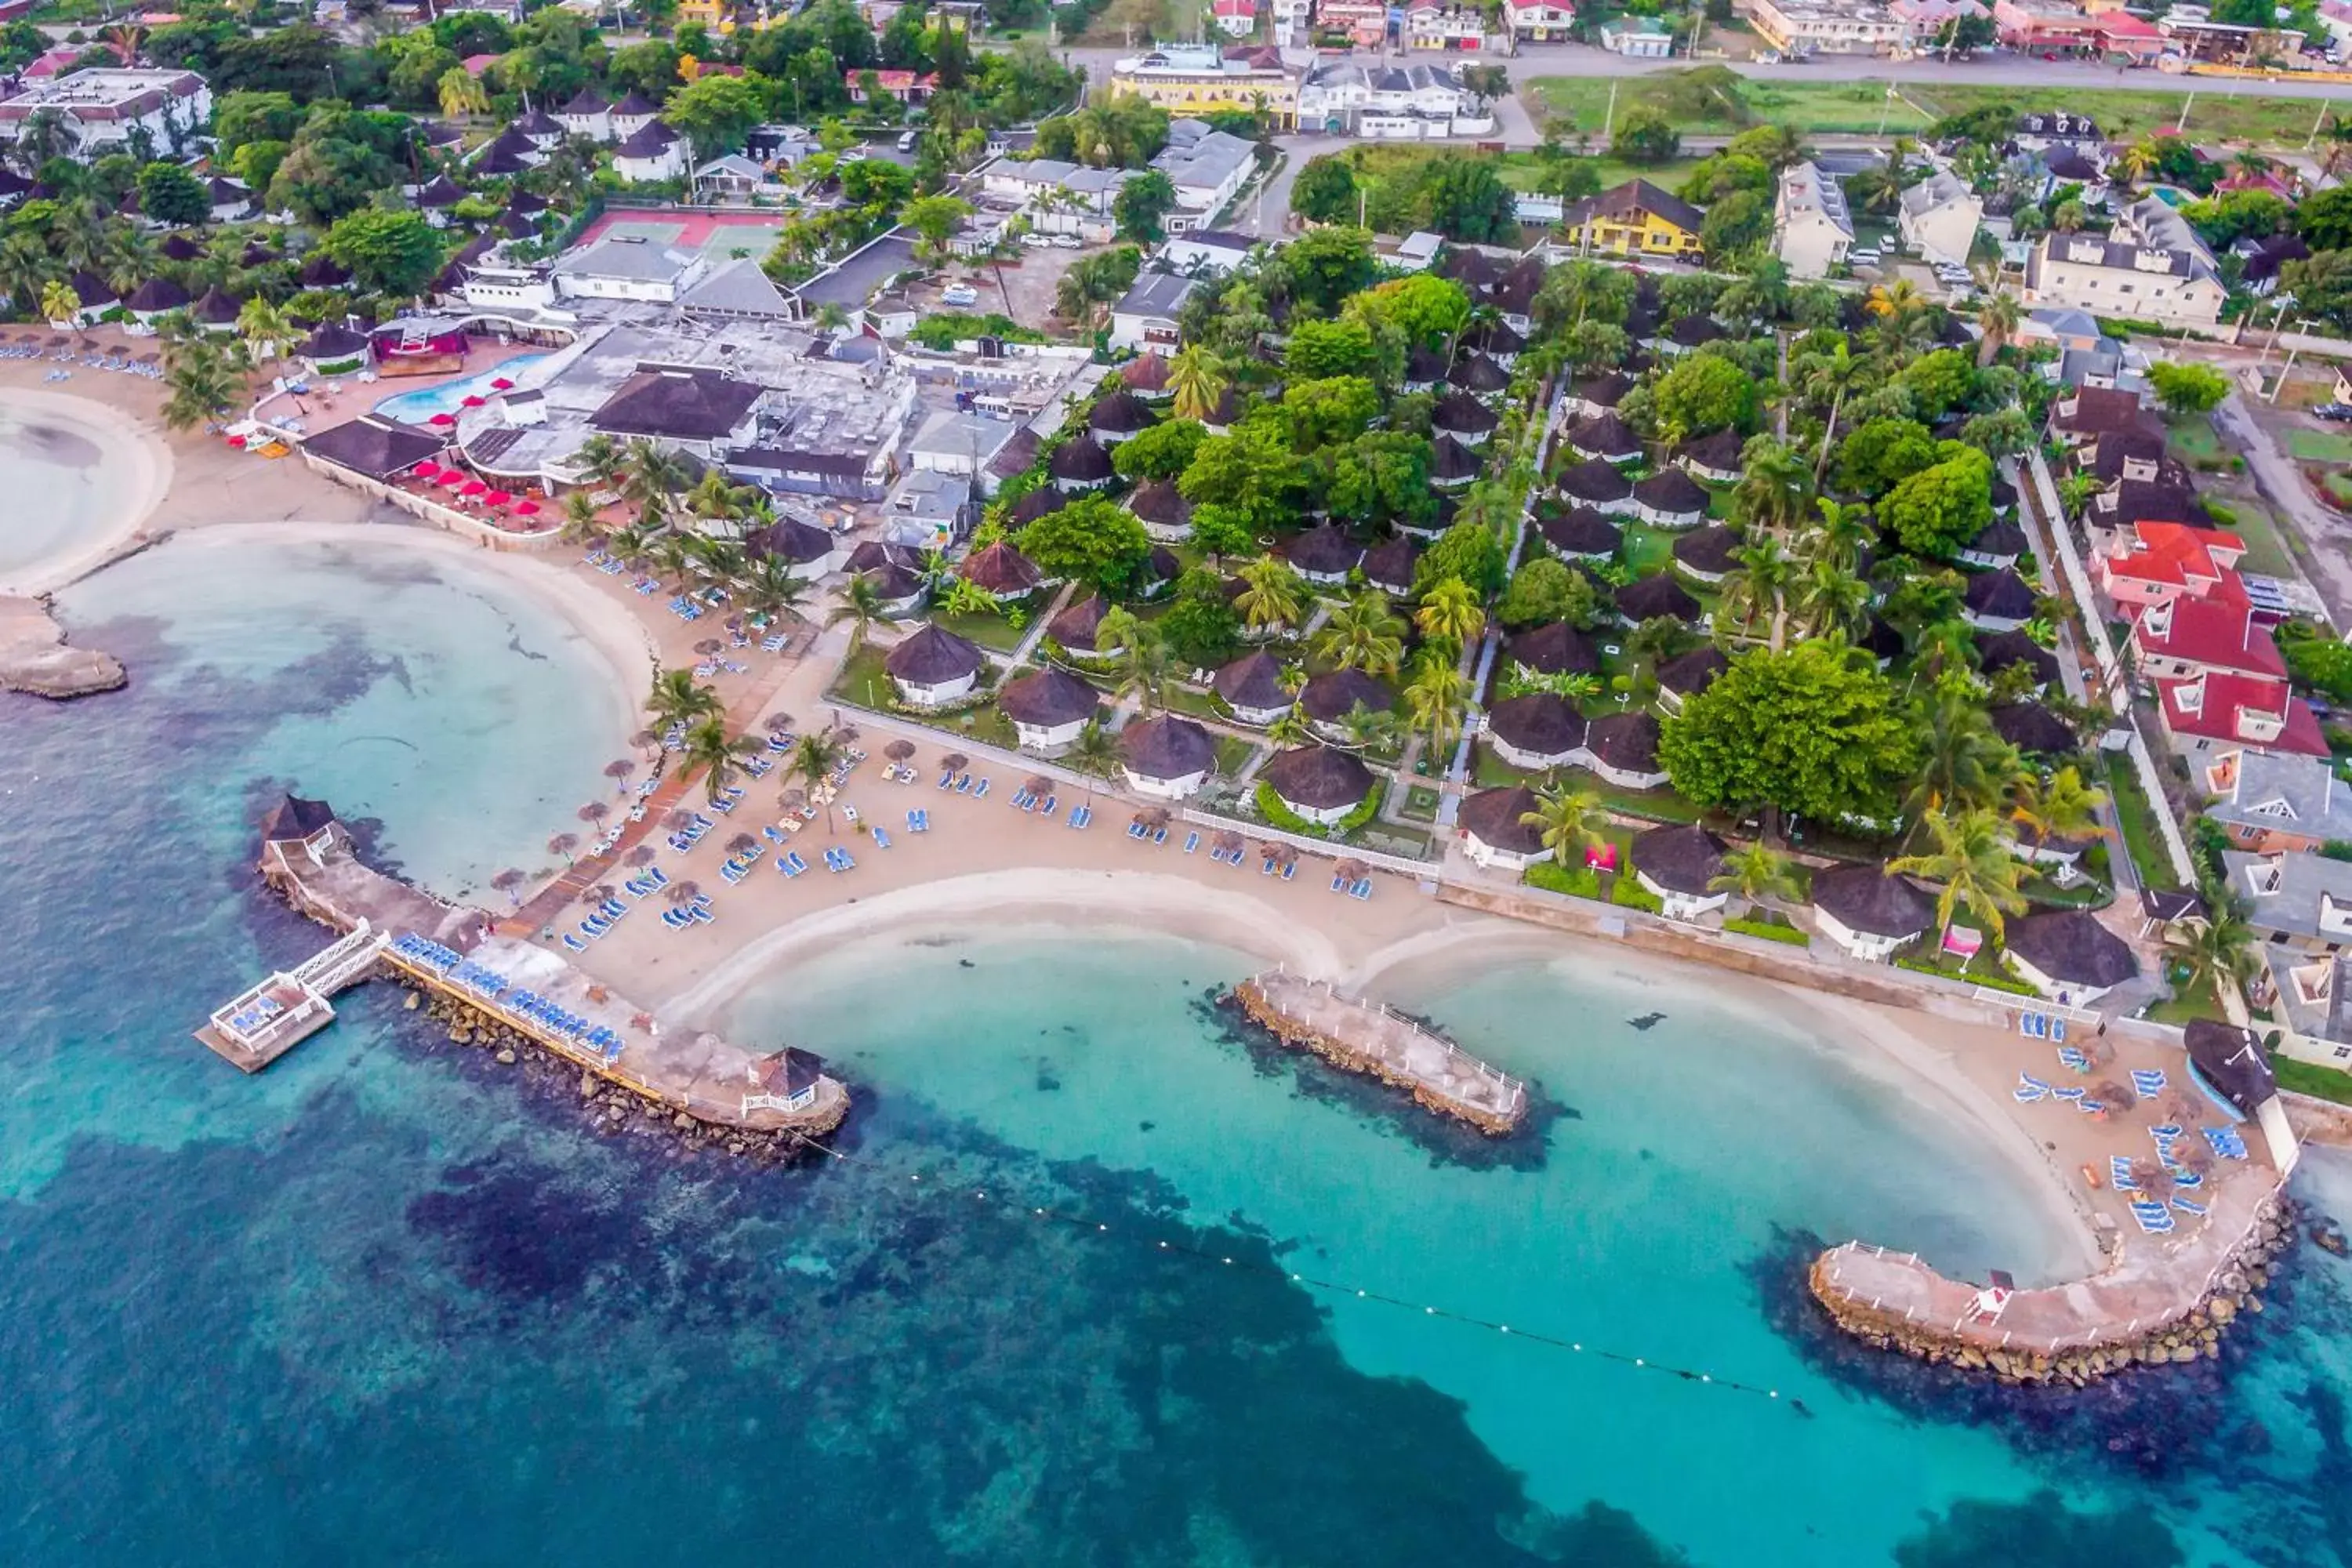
{"points": [[1352, 1292]]}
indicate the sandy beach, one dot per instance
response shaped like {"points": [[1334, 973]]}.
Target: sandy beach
{"points": [[984, 864], [136, 465]]}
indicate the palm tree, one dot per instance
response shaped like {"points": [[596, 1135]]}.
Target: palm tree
{"points": [[861, 605], [1450, 613], [1968, 854], [1836, 535], [2139, 160], [1571, 821], [814, 756], [1773, 491], [676, 698], [60, 306], [1997, 319], [1366, 727], [582, 524], [1435, 697], [2060, 807], [1272, 593], [1835, 373], [709, 749], [2220, 949], [601, 461], [1895, 300], [1197, 379], [1142, 668], [1757, 873], [205, 378], [1759, 587], [2067, 217], [461, 93], [1963, 761], [1831, 598], [1095, 752], [266, 329], [1364, 634], [652, 476]]}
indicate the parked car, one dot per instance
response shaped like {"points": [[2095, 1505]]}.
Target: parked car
{"points": [[1068, 242], [2338, 411], [960, 294], [909, 140], [1038, 241]]}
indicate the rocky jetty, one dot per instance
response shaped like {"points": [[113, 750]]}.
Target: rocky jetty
{"points": [[2194, 1335], [34, 656], [611, 1108]]}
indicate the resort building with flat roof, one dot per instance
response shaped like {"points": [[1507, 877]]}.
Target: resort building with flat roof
{"points": [[103, 111], [1191, 80]]}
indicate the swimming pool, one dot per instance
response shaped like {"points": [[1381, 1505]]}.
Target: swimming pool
{"points": [[416, 407]]}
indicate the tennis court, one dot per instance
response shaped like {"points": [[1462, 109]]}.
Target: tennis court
{"points": [[719, 236]]}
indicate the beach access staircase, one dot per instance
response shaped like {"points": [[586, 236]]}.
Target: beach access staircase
{"points": [[1376, 1040]]}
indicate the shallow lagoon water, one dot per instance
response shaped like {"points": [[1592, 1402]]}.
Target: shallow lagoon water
{"points": [[386, 1304], [52, 458]]}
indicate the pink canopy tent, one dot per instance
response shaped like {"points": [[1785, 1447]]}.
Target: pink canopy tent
{"points": [[452, 477]]}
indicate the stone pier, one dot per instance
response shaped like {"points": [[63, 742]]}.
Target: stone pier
{"points": [[1364, 1038]]}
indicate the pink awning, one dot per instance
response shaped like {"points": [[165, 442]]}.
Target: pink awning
{"points": [[452, 477], [500, 383]]}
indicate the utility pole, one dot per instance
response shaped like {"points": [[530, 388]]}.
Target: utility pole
{"points": [[1608, 121], [1886, 109], [2288, 368], [2317, 121], [2181, 128]]}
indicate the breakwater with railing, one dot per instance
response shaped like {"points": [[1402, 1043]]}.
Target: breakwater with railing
{"points": [[1362, 1037]]}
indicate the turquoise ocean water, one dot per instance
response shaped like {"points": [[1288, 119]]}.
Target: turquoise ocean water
{"points": [[387, 1304]]}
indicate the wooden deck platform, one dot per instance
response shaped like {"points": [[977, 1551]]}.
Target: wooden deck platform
{"points": [[1367, 1037], [269, 1019]]}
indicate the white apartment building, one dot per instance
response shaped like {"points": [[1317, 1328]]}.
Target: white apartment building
{"points": [[105, 110], [1939, 217], [1826, 27], [1406, 102], [1812, 230], [2120, 278], [1207, 167]]}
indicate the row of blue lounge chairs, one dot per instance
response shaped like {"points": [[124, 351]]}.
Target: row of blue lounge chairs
{"points": [[919, 821], [1139, 829], [426, 952], [963, 783], [2042, 1025], [694, 911]]}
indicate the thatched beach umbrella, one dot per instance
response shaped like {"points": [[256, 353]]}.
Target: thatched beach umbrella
{"points": [[793, 801], [643, 855], [1354, 870], [742, 844], [619, 769], [955, 761], [710, 645], [1038, 783], [2152, 1178], [2181, 1108], [2113, 1095], [601, 893], [2191, 1154], [646, 739], [684, 892], [507, 881], [563, 844], [595, 811], [678, 819], [900, 750], [1155, 817], [1229, 842], [779, 722]]}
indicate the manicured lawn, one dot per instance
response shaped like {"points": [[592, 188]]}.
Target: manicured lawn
{"points": [[1523, 171], [2194, 440], [988, 631], [864, 681], [1233, 754], [2339, 486], [1187, 700], [1647, 550], [2266, 550], [2311, 1079], [2124, 114], [2320, 445], [2142, 836], [2195, 1003]]}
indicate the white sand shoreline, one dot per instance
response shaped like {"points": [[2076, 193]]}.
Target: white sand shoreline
{"points": [[133, 456]]}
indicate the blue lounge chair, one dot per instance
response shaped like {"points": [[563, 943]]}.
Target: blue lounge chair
{"points": [[1362, 890], [1339, 883], [2073, 1091], [2057, 1028], [2189, 1205], [1161, 836], [980, 792], [2147, 1083], [2119, 1172], [2030, 1025], [792, 864], [574, 943], [881, 839], [1290, 870], [1191, 842], [1052, 803], [1267, 869], [1135, 830]]}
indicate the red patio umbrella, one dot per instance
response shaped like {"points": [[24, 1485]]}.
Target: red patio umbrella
{"points": [[497, 498], [526, 508], [500, 383], [427, 472], [443, 419], [473, 402], [452, 477], [236, 440], [474, 488]]}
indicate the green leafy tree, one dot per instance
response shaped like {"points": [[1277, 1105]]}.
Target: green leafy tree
{"points": [[1090, 540], [935, 219], [389, 252], [1320, 350], [1161, 452], [1645, 136], [1467, 552], [1815, 729], [169, 193], [1323, 268], [1941, 507], [1939, 382], [1426, 311], [1544, 590], [1703, 394], [2188, 388], [1141, 205], [715, 113], [1202, 628], [1325, 191], [1223, 530], [1880, 454], [1336, 408], [1467, 200], [1736, 224]]}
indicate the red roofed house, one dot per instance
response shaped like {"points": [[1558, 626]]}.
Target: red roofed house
{"points": [[2185, 636], [904, 86], [1235, 18], [2157, 563], [2208, 710]]}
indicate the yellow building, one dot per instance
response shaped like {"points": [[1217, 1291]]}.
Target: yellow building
{"points": [[1193, 79], [1637, 218]]}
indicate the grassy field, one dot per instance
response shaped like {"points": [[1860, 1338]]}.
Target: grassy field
{"points": [[2320, 445], [1857, 107], [1648, 551], [2142, 836], [2266, 550], [2311, 1079], [1520, 171], [2194, 440]]}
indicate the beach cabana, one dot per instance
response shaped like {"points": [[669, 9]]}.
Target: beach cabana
{"points": [[2034, 730], [1715, 458], [806, 550], [1478, 375], [1463, 418], [2000, 650], [2230, 1067], [1319, 783], [307, 826], [373, 447], [1329, 699], [1049, 708], [1453, 465], [2069, 957], [1080, 464], [1606, 436], [1557, 649], [1117, 417], [1002, 570], [1707, 555], [1680, 679], [1167, 757], [1164, 513], [1388, 566], [1676, 864], [1536, 732], [1598, 395], [1623, 748], [1252, 686], [1869, 911], [1075, 630], [335, 350], [1595, 484], [1653, 598], [1996, 600], [1495, 832], [1671, 498], [1581, 533], [933, 667], [1325, 555]]}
